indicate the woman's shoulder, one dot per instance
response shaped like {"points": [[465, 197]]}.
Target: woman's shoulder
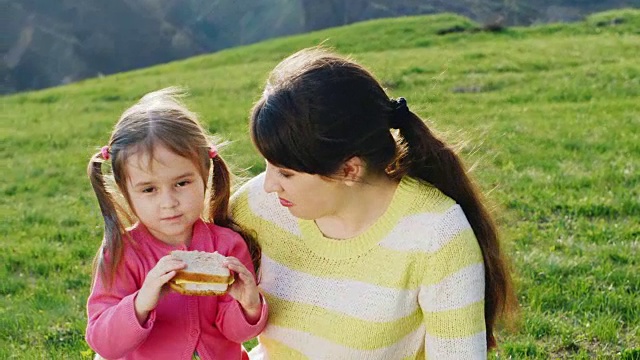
{"points": [[251, 189], [423, 197], [253, 182], [429, 220], [250, 202]]}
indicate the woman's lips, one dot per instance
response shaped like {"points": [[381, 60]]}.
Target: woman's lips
{"points": [[285, 203]]}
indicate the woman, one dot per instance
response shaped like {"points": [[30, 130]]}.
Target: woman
{"points": [[375, 245]]}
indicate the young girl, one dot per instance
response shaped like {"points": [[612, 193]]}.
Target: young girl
{"points": [[160, 158], [376, 244]]}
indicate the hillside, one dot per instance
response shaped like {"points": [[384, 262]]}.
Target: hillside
{"points": [[48, 43], [548, 114]]}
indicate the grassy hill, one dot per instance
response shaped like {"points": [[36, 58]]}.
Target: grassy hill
{"points": [[549, 115]]}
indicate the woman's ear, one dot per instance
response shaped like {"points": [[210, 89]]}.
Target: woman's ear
{"points": [[352, 171]]}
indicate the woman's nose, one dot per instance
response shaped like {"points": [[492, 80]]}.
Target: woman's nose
{"points": [[270, 181]]}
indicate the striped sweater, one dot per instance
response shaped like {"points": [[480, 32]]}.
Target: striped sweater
{"points": [[409, 287]]}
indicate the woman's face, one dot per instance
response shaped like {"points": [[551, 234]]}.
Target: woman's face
{"points": [[306, 196]]}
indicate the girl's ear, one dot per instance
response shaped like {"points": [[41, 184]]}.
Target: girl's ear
{"points": [[352, 171]]}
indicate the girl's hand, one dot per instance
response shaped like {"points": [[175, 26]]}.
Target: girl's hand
{"points": [[154, 287], [244, 289]]}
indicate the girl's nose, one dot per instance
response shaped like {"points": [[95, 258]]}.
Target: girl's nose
{"points": [[169, 200]]}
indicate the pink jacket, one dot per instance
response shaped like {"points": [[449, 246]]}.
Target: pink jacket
{"points": [[180, 325]]}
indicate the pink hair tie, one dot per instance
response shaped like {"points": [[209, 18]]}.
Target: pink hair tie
{"points": [[213, 151], [105, 152]]}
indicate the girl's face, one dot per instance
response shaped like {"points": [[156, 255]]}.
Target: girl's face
{"points": [[166, 193], [306, 196]]}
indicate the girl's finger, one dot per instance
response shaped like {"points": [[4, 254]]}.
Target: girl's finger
{"points": [[168, 276], [169, 260], [239, 269], [171, 265], [244, 278], [233, 260], [160, 271]]}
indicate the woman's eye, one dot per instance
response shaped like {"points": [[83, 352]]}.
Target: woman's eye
{"points": [[147, 190]]}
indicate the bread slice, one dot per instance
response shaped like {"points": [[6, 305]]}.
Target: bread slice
{"points": [[204, 274]]}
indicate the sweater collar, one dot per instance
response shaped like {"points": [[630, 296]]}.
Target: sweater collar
{"points": [[362, 243]]}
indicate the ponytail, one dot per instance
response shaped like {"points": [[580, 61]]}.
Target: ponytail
{"points": [[218, 212], [110, 252], [428, 158]]}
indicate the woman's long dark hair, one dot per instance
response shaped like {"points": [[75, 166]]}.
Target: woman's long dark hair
{"points": [[319, 110]]}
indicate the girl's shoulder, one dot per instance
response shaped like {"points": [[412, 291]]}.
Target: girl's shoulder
{"points": [[226, 241], [223, 233]]}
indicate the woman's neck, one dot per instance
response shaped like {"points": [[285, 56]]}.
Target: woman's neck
{"points": [[363, 205]]}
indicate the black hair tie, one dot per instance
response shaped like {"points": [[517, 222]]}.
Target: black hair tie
{"points": [[399, 112]]}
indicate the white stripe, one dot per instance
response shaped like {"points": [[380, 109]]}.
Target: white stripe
{"points": [[472, 347], [354, 298], [258, 353], [464, 287], [267, 207], [315, 347], [436, 231]]}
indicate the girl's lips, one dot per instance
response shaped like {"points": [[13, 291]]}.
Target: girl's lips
{"points": [[285, 203], [171, 218]]}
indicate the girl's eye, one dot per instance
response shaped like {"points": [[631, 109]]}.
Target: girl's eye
{"points": [[148, 190], [285, 175], [183, 183]]}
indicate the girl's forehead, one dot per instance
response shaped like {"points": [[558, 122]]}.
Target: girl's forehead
{"points": [[158, 157]]}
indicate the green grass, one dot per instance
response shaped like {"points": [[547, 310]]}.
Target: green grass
{"points": [[549, 115]]}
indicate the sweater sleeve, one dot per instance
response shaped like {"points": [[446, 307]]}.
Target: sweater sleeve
{"points": [[230, 318], [113, 330], [452, 291]]}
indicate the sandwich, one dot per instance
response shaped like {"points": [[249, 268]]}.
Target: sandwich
{"points": [[204, 274]]}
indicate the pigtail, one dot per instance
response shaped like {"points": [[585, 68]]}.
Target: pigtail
{"points": [[111, 246], [219, 214], [430, 159]]}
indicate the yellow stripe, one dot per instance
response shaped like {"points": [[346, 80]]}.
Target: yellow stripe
{"points": [[457, 323], [340, 328], [289, 250], [463, 250], [278, 350]]}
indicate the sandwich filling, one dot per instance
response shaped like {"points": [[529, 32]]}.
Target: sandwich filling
{"points": [[196, 286], [203, 275]]}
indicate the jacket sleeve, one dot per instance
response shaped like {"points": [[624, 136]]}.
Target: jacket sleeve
{"points": [[451, 294], [113, 329], [230, 318]]}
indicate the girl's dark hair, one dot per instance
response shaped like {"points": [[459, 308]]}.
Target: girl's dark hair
{"points": [[159, 118], [319, 110]]}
